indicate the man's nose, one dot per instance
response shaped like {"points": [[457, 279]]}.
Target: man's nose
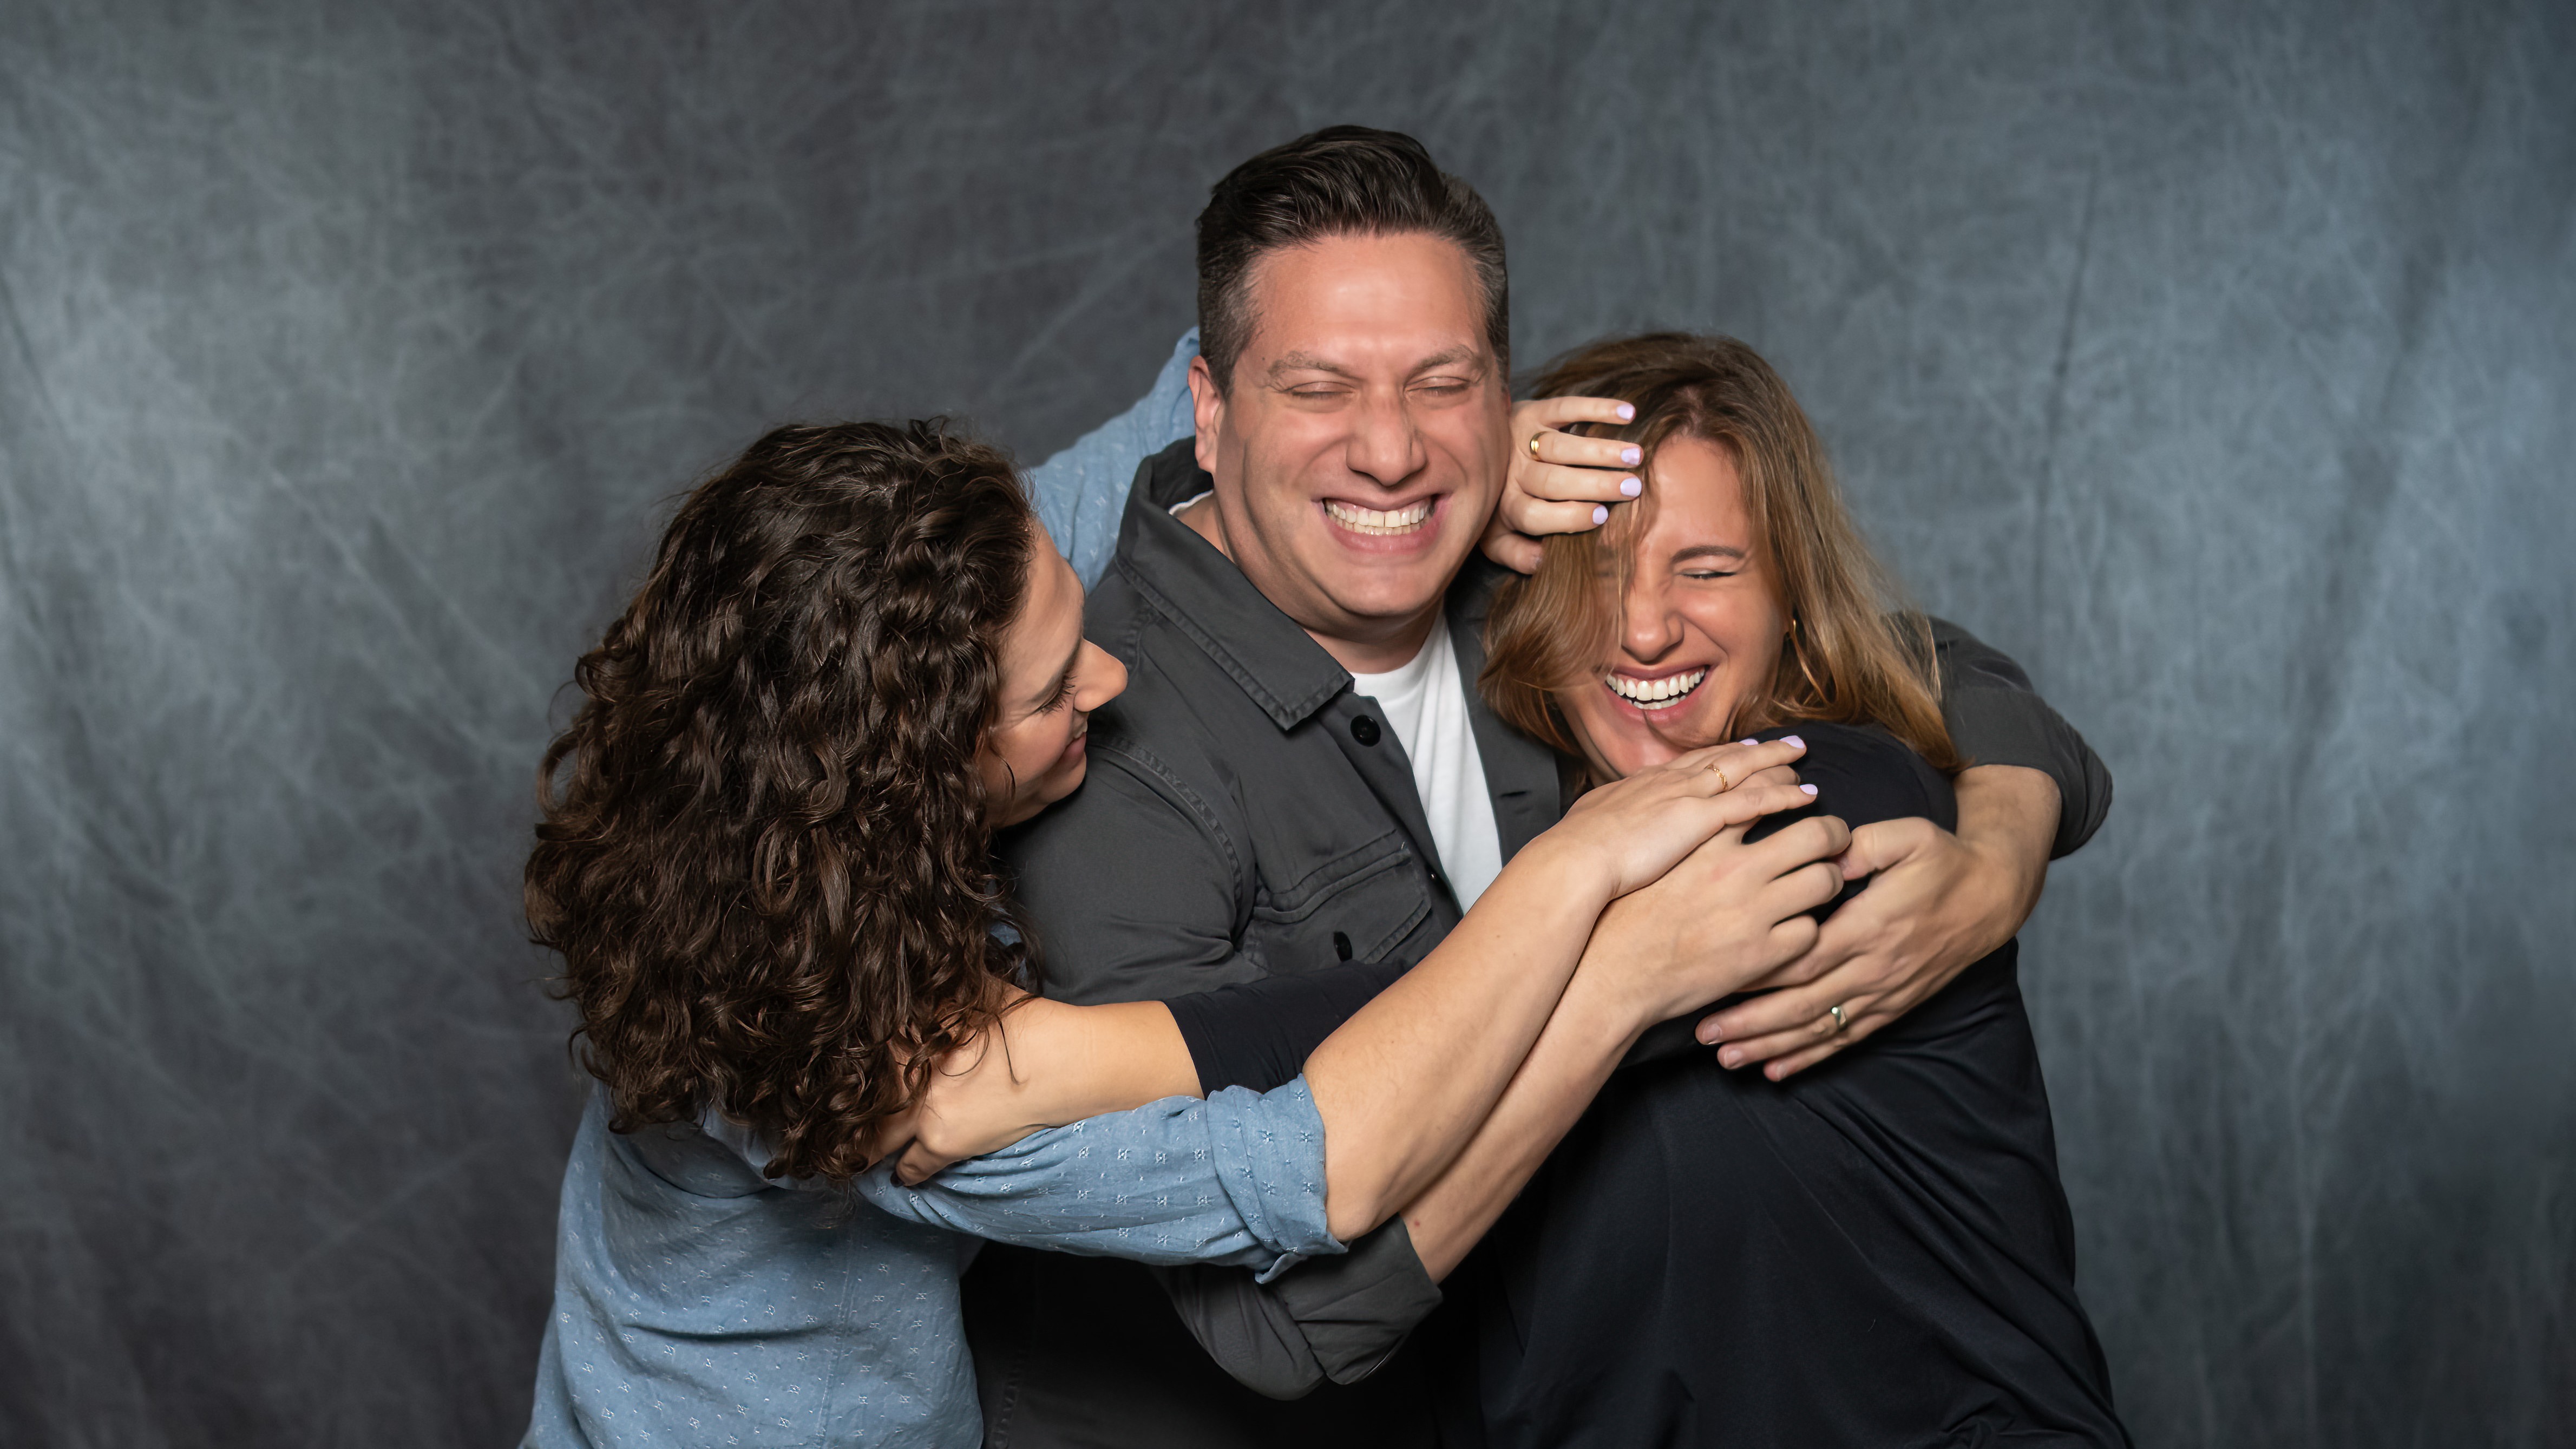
{"points": [[1385, 445]]}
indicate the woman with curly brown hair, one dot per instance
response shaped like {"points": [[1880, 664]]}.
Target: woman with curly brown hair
{"points": [[764, 861]]}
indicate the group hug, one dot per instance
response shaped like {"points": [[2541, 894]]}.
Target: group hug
{"points": [[1341, 910]]}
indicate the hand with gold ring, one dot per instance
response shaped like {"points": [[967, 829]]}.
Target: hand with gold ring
{"points": [[1558, 482]]}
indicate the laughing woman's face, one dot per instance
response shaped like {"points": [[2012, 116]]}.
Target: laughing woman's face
{"points": [[1700, 630], [1052, 679]]}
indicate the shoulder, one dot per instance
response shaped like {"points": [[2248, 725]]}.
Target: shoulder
{"points": [[1158, 781], [1863, 774]]}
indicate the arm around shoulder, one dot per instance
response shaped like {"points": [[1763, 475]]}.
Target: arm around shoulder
{"points": [[1996, 718]]}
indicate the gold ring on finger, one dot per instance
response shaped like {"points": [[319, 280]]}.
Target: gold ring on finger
{"points": [[1533, 445], [1723, 784]]}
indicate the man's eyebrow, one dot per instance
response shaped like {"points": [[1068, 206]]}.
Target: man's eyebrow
{"points": [[1309, 362], [1450, 358]]}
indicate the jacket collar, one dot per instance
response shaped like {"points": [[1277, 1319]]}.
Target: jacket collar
{"points": [[1209, 600]]}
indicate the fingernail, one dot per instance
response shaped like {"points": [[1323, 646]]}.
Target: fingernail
{"points": [[1631, 456], [1793, 740], [1748, 740], [1708, 1034], [1627, 414], [1600, 514], [1809, 789], [1630, 487], [1730, 1058]]}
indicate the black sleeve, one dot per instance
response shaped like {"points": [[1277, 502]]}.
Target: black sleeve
{"points": [[1334, 1318], [1996, 719], [1258, 1034]]}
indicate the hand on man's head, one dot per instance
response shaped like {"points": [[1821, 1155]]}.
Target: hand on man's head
{"points": [[1559, 482]]}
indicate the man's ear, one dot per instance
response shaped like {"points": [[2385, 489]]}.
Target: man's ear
{"points": [[1207, 412]]}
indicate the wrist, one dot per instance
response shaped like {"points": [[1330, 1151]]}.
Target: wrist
{"points": [[1568, 868], [1614, 997], [1605, 1010], [2001, 888]]}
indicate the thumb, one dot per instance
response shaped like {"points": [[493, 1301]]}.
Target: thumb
{"points": [[1883, 843]]}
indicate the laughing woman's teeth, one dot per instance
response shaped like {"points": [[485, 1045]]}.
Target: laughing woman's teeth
{"points": [[1654, 694], [1379, 521]]}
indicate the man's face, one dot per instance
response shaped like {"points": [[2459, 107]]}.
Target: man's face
{"points": [[1359, 450]]}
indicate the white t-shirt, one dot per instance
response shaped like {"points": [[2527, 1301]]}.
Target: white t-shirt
{"points": [[1425, 703]]}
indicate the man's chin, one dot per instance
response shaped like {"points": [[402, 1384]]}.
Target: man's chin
{"points": [[1385, 583]]}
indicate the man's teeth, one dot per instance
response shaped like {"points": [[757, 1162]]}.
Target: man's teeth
{"points": [[1653, 694], [1377, 520]]}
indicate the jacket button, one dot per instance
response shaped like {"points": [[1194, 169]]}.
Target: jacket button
{"points": [[1364, 730], [1342, 945]]}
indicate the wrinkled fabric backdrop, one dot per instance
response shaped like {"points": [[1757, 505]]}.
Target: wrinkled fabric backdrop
{"points": [[2216, 364]]}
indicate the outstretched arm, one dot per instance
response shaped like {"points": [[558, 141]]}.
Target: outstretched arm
{"points": [[1706, 906], [1081, 492], [1402, 1085]]}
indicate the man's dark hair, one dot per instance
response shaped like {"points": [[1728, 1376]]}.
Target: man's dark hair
{"points": [[1339, 181]]}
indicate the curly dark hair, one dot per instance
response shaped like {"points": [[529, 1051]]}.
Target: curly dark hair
{"points": [[764, 854]]}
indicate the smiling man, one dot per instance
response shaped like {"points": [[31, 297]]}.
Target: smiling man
{"points": [[1302, 773]]}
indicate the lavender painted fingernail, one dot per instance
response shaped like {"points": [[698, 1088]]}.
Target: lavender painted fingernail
{"points": [[1627, 414], [1630, 487], [1793, 740], [1807, 789], [1631, 456], [1600, 514]]}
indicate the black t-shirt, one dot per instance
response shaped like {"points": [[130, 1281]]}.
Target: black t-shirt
{"points": [[1877, 1251]]}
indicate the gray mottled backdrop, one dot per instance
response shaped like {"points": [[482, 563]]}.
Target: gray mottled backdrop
{"points": [[2217, 363]]}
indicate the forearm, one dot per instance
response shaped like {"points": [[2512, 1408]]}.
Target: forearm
{"points": [[1996, 718], [1235, 1179], [2008, 819], [1404, 1083], [1071, 1062], [1045, 1064], [1582, 1044]]}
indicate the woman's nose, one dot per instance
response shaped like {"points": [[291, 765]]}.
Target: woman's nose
{"points": [[1103, 678], [1649, 630]]}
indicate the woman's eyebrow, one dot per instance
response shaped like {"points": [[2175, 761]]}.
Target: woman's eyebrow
{"points": [[1710, 550]]}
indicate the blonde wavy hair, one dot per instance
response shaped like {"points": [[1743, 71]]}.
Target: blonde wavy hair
{"points": [[1854, 654]]}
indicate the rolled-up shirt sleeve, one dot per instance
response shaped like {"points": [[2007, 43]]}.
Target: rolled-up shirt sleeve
{"points": [[1236, 1179]]}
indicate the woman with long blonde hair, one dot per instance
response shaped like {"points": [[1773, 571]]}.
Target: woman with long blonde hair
{"points": [[1876, 1250]]}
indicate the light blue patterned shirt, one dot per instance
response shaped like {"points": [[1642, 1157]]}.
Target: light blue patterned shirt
{"points": [[1081, 493], [698, 1303]]}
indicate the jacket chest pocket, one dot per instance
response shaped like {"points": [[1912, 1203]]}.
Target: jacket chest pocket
{"points": [[1358, 906]]}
